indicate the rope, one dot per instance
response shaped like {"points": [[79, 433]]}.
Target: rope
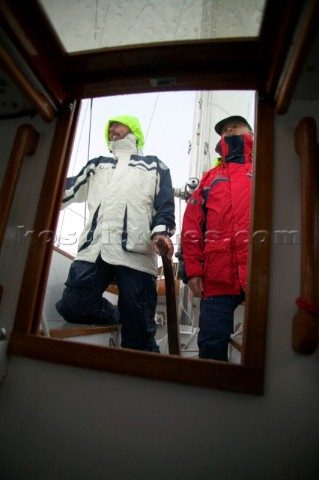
{"points": [[308, 306]]}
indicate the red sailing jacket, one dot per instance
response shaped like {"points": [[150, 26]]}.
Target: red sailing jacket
{"points": [[215, 232]]}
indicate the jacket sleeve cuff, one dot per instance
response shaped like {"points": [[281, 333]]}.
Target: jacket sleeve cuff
{"points": [[162, 230]]}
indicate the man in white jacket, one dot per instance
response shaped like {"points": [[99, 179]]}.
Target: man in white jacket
{"points": [[131, 204]]}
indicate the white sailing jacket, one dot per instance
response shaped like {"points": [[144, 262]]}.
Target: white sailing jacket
{"points": [[130, 199]]}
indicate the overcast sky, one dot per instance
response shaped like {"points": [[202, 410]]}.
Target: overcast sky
{"points": [[166, 120]]}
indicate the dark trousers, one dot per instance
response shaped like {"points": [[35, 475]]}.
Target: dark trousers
{"points": [[216, 323], [82, 301]]}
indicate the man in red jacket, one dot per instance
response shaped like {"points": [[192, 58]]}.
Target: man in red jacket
{"points": [[215, 237]]}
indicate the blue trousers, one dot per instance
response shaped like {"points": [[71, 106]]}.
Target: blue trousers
{"points": [[82, 301], [216, 323]]}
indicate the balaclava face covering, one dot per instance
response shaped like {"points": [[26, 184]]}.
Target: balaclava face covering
{"points": [[235, 148]]}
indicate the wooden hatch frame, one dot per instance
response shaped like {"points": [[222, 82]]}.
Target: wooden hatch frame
{"points": [[234, 64]]}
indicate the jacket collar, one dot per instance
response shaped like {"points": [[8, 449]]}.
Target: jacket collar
{"points": [[126, 145]]}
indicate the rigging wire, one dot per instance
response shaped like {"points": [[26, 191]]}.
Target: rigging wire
{"points": [[90, 128], [104, 22], [80, 137], [63, 212], [179, 19], [88, 152], [137, 17], [151, 119]]}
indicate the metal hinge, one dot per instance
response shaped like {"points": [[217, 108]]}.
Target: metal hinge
{"points": [[3, 334]]}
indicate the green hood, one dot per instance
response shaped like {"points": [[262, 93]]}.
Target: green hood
{"points": [[132, 123]]}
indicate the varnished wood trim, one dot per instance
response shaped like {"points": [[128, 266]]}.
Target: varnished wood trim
{"points": [[80, 331], [171, 308], [280, 21], [237, 344], [205, 64], [300, 51], [25, 143], [254, 340], [306, 323], [169, 368], [28, 315], [64, 253], [34, 39], [39, 101]]}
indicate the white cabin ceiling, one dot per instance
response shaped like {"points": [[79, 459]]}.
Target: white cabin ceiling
{"points": [[13, 102], [308, 84]]}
